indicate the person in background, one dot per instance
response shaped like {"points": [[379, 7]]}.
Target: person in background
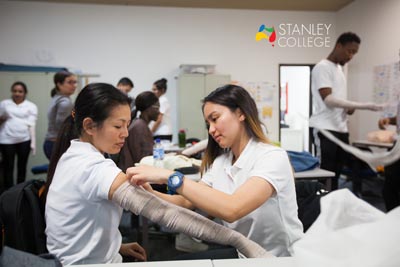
{"points": [[126, 85], [88, 192], [330, 106], [246, 182], [391, 186], [60, 107], [162, 128], [17, 133], [140, 141]]}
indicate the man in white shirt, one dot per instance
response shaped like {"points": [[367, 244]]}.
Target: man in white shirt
{"points": [[330, 106]]}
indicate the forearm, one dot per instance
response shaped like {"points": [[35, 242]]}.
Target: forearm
{"points": [[156, 123], [175, 199], [183, 220], [334, 102]]}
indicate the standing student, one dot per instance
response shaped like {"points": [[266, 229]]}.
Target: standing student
{"points": [[246, 182], [60, 107], [391, 186], [88, 191], [331, 108], [140, 141], [17, 133], [162, 128], [126, 85]]}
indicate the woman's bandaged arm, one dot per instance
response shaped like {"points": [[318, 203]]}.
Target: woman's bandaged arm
{"points": [[139, 201]]}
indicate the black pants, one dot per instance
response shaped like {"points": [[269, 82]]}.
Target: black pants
{"points": [[9, 151], [391, 187], [333, 156]]}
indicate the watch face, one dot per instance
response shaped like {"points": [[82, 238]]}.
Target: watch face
{"points": [[175, 180]]}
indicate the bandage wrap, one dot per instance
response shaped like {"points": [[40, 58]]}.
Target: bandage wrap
{"points": [[179, 219]]}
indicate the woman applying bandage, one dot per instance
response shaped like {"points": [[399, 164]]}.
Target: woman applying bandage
{"points": [[246, 182], [87, 193]]}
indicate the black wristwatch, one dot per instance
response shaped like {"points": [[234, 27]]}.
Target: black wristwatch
{"points": [[174, 182]]}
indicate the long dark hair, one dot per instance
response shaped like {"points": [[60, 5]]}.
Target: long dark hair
{"points": [[95, 101], [233, 97]]}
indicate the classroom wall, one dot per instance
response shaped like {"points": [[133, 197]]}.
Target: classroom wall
{"points": [[377, 23], [147, 43]]}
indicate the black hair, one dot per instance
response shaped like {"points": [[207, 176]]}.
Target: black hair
{"points": [[348, 37], [233, 97], [161, 85], [59, 77], [96, 101], [20, 84], [125, 81], [143, 101]]}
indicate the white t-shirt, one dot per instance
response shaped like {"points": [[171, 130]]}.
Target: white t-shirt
{"points": [[81, 223], [327, 74], [275, 224], [165, 127], [19, 118]]}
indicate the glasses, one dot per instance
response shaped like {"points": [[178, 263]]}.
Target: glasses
{"points": [[156, 106]]}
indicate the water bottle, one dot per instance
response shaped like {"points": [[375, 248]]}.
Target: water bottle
{"points": [[182, 138], [158, 154]]}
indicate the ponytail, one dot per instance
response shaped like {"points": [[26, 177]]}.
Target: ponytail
{"points": [[66, 133]]}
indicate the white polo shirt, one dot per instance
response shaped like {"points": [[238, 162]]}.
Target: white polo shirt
{"points": [[275, 224], [165, 127], [19, 118], [327, 74], [81, 223]]}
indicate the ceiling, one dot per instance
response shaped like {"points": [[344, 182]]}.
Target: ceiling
{"points": [[295, 5]]}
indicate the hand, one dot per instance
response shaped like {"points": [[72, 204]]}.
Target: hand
{"points": [[134, 250], [383, 123], [142, 174], [375, 107], [33, 148], [147, 187]]}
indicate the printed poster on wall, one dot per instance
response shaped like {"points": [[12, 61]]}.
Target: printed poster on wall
{"points": [[266, 96]]}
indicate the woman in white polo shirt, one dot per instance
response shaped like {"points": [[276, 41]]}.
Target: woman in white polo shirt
{"points": [[87, 191], [17, 133], [246, 182]]}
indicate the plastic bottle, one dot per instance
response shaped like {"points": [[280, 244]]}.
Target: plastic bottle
{"points": [[158, 154], [182, 138]]}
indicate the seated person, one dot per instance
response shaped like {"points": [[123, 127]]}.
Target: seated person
{"points": [[140, 141]]}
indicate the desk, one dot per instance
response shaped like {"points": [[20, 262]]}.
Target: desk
{"points": [[271, 262], [316, 174], [369, 144], [191, 263]]}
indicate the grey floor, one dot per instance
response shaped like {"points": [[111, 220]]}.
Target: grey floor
{"points": [[161, 245]]}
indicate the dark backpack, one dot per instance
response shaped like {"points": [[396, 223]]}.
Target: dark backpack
{"points": [[22, 215], [308, 195]]}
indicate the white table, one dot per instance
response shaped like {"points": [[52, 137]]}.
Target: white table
{"points": [[368, 144], [271, 262], [191, 263], [316, 174]]}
